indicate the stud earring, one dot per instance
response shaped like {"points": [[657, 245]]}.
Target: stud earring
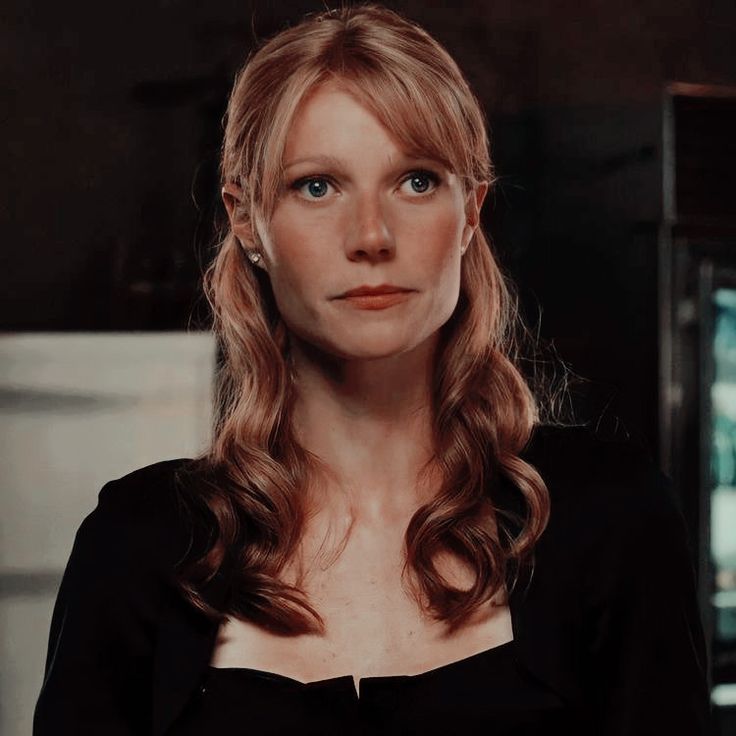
{"points": [[254, 257]]}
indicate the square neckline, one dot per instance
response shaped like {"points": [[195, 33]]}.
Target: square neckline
{"points": [[357, 683]]}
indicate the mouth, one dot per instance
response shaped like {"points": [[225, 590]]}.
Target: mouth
{"points": [[376, 297], [374, 291]]}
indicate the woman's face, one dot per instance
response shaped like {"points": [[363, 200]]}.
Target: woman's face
{"points": [[354, 211]]}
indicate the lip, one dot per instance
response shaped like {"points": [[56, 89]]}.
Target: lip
{"points": [[374, 291], [377, 301]]}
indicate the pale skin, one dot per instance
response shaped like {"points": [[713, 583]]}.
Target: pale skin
{"points": [[361, 218]]}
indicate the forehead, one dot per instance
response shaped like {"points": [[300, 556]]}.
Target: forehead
{"points": [[331, 119]]}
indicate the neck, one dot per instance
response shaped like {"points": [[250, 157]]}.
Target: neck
{"points": [[370, 423]]}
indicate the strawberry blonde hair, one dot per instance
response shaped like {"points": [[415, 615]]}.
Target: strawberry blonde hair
{"points": [[252, 478]]}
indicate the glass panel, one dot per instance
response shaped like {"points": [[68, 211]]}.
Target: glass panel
{"points": [[723, 499]]}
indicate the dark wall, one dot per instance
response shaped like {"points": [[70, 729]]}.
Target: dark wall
{"points": [[112, 122]]}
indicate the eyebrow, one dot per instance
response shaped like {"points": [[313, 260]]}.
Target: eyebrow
{"points": [[318, 159], [327, 160]]}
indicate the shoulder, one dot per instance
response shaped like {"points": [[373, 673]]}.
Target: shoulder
{"points": [[601, 488], [140, 520], [579, 453], [581, 463], [150, 487], [615, 531]]}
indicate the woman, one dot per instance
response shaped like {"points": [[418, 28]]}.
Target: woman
{"points": [[382, 537]]}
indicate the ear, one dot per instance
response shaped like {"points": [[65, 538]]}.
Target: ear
{"points": [[473, 206], [232, 197]]}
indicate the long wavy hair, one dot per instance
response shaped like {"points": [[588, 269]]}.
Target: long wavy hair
{"points": [[251, 484]]}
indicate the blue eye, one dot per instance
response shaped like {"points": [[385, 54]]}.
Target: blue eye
{"points": [[316, 186], [421, 180]]}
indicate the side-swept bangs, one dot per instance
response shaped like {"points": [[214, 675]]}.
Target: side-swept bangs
{"points": [[418, 94]]}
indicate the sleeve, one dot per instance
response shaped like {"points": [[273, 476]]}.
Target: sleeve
{"points": [[100, 655], [647, 671]]}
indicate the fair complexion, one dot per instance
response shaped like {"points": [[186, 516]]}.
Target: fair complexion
{"points": [[356, 210]]}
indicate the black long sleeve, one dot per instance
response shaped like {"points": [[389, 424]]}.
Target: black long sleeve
{"points": [[99, 668]]}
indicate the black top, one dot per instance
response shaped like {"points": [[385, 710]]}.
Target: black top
{"points": [[608, 621], [485, 693]]}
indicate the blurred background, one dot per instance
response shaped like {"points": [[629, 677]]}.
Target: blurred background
{"points": [[613, 135]]}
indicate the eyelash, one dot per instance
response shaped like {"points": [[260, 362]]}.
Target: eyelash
{"points": [[431, 175]]}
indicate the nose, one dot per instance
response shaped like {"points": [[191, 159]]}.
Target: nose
{"points": [[370, 237]]}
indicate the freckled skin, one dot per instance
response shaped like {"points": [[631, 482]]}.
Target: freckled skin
{"points": [[372, 225]]}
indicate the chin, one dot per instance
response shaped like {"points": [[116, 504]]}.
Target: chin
{"points": [[346, 341], [377, 353], [363, 346]]}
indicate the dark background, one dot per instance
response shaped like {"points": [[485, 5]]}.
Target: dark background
{"points": [[111, 124]]}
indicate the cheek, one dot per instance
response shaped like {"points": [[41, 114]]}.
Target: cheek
{"points": [[296, 267], [296, 242], [436, 241]]}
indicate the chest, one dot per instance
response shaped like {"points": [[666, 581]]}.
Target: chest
{"points": [[374, 625]]}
